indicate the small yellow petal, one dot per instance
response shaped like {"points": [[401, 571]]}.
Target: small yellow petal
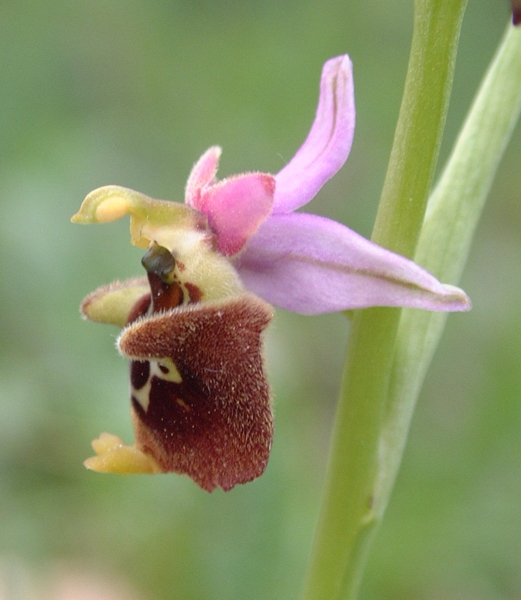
{"points": [[111, 304]]}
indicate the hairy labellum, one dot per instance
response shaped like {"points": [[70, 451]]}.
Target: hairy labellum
{"points": [[199, 394]]}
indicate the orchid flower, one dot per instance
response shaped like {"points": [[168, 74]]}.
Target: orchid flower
{"points": [[297, 261], [193, 331]]}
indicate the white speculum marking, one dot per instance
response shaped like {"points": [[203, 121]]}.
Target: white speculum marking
{"points": [[164, 369]]}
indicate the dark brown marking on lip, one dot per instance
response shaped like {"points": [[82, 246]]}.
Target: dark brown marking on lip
{"points": [[139, 373]]}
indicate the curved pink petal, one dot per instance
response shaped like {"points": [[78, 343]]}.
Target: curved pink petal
{"points": [[328, 144], [311, 265], [202, 174], [236, 207]]}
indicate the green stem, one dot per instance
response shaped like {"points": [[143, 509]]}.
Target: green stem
{"points": [[420, 125], [453, 213], [352, 506]]}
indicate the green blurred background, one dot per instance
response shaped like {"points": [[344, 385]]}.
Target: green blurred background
{"points": [[94, 92]]}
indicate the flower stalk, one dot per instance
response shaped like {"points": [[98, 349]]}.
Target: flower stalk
{"points": [[354, 502], [453, 213]]}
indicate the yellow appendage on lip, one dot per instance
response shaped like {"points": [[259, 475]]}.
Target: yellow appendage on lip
{"points": [[113, 456]]}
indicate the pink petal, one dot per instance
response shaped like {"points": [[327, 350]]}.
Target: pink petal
{"points": [[310, 265], [328, 143], [202, 174], [236, 207]]}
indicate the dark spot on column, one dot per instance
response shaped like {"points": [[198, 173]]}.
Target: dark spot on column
{"points": [[164, 296]]}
